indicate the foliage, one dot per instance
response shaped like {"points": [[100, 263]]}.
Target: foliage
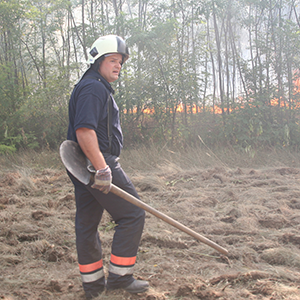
{"points": [[226, 71], [7, 149]]}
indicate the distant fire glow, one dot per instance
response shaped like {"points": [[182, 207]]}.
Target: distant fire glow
{"points": [[194, 109]]}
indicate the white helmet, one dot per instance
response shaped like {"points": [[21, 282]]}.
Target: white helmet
{"points": [[108, 44]]}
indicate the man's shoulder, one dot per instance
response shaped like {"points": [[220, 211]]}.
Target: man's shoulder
{"points": [[88, 80], [92, 86], [95, 79]]}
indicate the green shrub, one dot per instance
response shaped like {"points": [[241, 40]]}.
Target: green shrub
{"points": [[4, 149]]}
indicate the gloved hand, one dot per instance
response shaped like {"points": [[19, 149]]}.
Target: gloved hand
{"points": [[102, 180]]}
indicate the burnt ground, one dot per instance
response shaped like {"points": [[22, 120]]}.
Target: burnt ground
{"points": [[252, 212]]}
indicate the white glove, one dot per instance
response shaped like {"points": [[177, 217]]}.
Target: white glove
{"points": [[102, 180]]}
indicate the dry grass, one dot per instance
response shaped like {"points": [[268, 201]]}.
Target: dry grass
{"points": [[249, 204], [281, 256], [151, 157]]}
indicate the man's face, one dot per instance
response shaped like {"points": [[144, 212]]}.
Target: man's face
{"points": [[110, 67]]}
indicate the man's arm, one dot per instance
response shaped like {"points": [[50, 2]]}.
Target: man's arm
{"points": [[88, 142]]}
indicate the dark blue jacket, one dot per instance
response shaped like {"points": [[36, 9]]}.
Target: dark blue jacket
{"points": [[88, 109]]}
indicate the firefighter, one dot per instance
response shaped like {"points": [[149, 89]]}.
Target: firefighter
{"points": [[95, 125]]}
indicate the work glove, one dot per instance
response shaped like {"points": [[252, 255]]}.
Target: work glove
{"points": [[102, 180]]}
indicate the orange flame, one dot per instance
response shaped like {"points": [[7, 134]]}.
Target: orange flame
{"points": [[194, 109]]}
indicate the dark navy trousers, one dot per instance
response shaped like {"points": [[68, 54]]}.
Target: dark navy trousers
{"points": [[90, 204]]}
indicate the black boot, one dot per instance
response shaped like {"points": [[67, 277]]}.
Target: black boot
{"points": [[137, 286], [94, 289]]}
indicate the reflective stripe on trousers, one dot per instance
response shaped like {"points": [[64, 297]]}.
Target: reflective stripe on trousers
{"points": [[91, 272], [121, 265]]}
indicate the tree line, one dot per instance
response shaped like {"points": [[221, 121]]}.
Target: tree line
{"points": [[218, 71]]}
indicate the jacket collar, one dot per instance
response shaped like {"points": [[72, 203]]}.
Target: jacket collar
{"points": [[90, 72], [99, 77]]}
